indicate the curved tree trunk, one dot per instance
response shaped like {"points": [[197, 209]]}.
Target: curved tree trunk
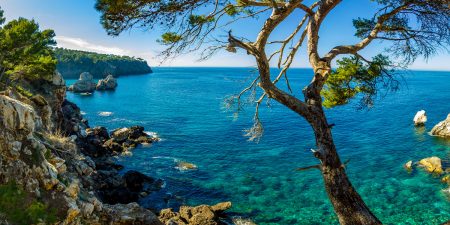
{"points": [[347, 203]]}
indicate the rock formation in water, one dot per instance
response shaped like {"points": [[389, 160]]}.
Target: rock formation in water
{"points": [[442, 129], [420, 118], [84, 84], [54, 169], [109, 83], [432, 164]]}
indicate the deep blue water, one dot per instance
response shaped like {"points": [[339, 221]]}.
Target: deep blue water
{"points": [[184, 106]]}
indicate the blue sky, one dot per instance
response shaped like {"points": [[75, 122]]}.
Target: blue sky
{"points": [[76, 24]]}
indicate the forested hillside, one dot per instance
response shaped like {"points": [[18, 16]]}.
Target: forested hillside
{"points": [[73, 62]]}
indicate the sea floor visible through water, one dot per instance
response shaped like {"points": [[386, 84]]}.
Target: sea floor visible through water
{"points": [[185, 108]]}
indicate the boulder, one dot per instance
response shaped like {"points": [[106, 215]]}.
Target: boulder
{"points": [[58, 79], [408, 166], [420, 118], [442, 129], [432, 165], [84, 84], [186, 166], [109, 83], [120, 134], [17, 115], [130, 214], [198, 215]]}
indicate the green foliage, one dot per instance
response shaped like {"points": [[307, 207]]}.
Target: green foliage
{"points": [[2, 18], [355, 76], [169, 38], [200, 19], [23, 91], [25, 51], [20, 209], [72, 62]]}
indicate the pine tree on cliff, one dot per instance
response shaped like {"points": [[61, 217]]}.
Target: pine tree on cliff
{"points": [[412, 28], [25, 51]]}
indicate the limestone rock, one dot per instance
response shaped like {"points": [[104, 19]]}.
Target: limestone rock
{"points": [[109, 83], [442, 129], [420, 118], [432, 165], [18, 115], [186, 166], [408, 166], [84, 84], [198, 215], [130, 214], [58, 79]]}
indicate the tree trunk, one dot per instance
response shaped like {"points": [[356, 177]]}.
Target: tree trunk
{"points": [[348, 204]]}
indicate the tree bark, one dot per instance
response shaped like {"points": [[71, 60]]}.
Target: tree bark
{"points": [[347, 203]]}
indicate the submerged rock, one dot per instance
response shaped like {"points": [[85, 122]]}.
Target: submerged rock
{"points": [[84, 84], [408, 166], [442, 129], [420, 118], [432, 165], [186, 166], [109, 83]]}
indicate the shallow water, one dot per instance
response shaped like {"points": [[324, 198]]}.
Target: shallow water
{"points": [[184, 106]]}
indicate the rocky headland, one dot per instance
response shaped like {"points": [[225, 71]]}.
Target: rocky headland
{"points": [[55, 169]]}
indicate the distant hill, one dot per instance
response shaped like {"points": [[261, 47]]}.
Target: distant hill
{"points": [[73, 62]]}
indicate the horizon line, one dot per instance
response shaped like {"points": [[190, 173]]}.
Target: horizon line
{"points": [[253, 67]]}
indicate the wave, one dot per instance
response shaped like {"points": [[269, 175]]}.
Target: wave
{"points": [[83, 113], [105, 114]]}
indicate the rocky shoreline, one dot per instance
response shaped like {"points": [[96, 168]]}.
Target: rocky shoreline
{"points": [[65, 170]]}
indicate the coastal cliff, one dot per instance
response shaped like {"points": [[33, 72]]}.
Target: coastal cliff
{"points": [[71, 63], [54, 169]]}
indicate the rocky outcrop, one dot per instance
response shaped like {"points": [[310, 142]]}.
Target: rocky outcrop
{"points": [[109, 83], [420, 118], [442, 129], [84, 84], [432, 165], [199, 215], [58, 79], [46, 169]]}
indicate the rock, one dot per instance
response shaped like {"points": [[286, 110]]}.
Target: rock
{"points": [[221, 207], [408, 166], [130, 214], [135, 181], [432, 165], [420, 118], [241, 221], [186, 166], [109, 83], [18, 115], [58, 79], [442, 129], [120, 134], [446, 179], [84, 84], [86, 76]]}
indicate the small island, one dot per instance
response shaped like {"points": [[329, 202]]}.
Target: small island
{"points": [[71, 63]]}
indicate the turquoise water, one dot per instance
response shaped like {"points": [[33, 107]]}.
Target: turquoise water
{"points": [[184, 106]]}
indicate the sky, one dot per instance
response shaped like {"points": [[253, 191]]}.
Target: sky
{"points": [[77, 26]]}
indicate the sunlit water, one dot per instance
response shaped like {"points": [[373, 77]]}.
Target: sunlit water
{"points": [[184, 106]]}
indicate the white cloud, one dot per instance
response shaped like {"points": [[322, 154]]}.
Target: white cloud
{"points": [[80, 44]]}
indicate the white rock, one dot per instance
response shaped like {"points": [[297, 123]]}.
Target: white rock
{"points": [[420, 118], [18, 115], [443, 128], [58, 79]]}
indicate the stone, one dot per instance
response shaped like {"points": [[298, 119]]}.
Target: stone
{"points": [[120, 134], [432, 165], [186, 166], [442, 129], [84, 84], [408, 166], [420, 118], [130, 214], [109, 83], [221, 207], [58, 79], [17, 115], [446, 179]]}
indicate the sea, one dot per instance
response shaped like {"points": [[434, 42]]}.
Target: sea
{"points": [[187, 108]]}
